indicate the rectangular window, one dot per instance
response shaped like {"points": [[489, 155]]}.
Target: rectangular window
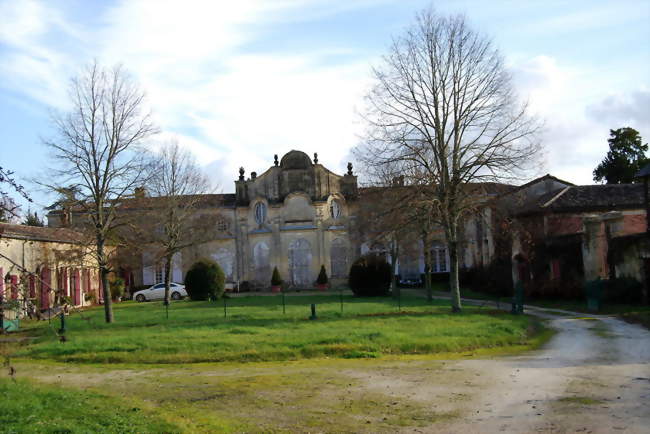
{"points": [[439, 260], [159, 276]]}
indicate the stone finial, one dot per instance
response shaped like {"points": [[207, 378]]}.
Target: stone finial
{"points": [[253, 175], [275, 159], [315, 158], [241, 173], [349, 168]]}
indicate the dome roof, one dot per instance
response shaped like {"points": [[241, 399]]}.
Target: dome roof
{"points": [[295, 160]]}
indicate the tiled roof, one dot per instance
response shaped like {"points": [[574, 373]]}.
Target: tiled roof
{"points": [[36, 233], [489, 188], [136, 203], [202, 201], [587, 198]]}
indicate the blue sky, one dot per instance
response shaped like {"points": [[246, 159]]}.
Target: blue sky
{"points": [[237, 82]]}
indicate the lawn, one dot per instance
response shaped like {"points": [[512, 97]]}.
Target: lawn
{"points": [[256, 329], [150, 373], [621, 309], [25, 407]]}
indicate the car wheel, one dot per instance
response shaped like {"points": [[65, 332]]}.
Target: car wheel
{"points": [[140, 298], [176, 296]]}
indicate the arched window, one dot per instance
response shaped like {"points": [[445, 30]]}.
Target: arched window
{"points": [[260, 213], [339, 258], [261, 262], [335, 209], [300, 262]]}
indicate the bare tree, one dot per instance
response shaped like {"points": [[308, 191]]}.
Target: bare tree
{"points": [[9, 209], [443, 107], [98, 150], [178, 183]]}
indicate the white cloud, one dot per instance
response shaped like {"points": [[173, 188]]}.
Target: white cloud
{"points": [[234, 106], [30, 65], [574, 141], [244, 107], [631, 109]]}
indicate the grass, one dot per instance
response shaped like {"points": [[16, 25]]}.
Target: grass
{"points": [[620, 309], [27, 408], [642, 318], [147, 367], [580, 400], [255, 329]]}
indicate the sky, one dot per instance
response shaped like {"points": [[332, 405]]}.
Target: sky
{"points": [[236, 82]]}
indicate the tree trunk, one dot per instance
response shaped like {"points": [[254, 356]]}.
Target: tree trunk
{"points": [[452, 241], [168, 275], [103, 274], [427, 267]]}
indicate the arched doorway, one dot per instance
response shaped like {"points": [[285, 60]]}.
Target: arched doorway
{"points": [[261, 263], [339, 258], [300, 262]]}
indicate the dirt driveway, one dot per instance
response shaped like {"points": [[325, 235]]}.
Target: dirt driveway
{"points": [[592, 377]]}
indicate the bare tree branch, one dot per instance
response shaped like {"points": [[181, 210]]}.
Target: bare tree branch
{"points": [[99, 154], [444, 114]]}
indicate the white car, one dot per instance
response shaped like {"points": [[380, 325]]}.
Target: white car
{"points": [[157, 292]]}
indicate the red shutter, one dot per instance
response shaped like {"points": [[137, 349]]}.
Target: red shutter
{"points": [[14, 286]]}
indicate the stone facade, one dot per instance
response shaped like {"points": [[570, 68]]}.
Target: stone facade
{"points": [[295, 216], [42, 263]]}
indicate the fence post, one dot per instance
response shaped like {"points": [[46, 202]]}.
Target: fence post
{"points": [[62, 329], [225, 307], [341, 297]]}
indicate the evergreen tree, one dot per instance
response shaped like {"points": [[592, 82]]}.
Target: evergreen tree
{"points": [[625, 158], [32, 219]]}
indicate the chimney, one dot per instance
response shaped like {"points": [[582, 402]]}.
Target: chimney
{"points": [[140, 193]]}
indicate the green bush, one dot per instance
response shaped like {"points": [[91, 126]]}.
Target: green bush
{"points": [[370, 276], [205, 280], [275, 278], [623, 290], [322, 276]]}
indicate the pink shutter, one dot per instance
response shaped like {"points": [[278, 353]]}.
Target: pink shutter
{"points": [[46, 275], [14, 286]]}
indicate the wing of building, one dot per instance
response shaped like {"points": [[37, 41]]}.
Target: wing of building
{"points": [[298, 216]]}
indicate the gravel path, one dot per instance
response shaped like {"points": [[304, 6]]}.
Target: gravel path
{"points": [[592, 377]]}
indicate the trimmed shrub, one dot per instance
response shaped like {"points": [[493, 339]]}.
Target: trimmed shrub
{"points": [[205, 280], [275, 278], [117, 286], [322, 276], [370, 276], [623, 290]]}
